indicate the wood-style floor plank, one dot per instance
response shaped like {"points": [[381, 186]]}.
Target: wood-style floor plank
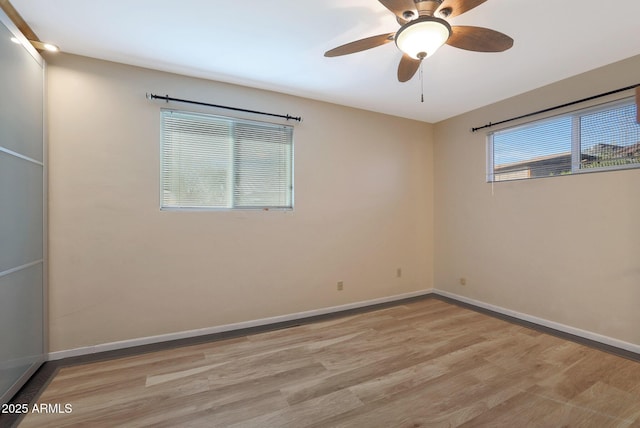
{"points": [[422, 364]]}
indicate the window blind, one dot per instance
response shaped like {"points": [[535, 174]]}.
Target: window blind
{"points": [[533, 150], [594, 139], [610, 138], [213, 162]]}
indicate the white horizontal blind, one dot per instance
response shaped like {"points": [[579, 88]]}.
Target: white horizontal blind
{"points": [[595, 139], [262, 163], [534, 150], [610, 138], [217, 162]]}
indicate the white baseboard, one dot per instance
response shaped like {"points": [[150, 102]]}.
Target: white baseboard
{"points": [[543, 322], [87, 350], [103, 347]]}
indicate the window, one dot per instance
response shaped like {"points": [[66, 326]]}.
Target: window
{"points": [[595, 139], [214, 162]]}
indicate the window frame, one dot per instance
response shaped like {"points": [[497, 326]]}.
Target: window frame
{"points": [[232, 173], [576, 140]]}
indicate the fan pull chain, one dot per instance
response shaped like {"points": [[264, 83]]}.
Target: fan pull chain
{"points": [[421, 83]]}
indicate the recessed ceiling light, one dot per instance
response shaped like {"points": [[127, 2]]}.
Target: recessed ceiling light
{"points": [[51, 48], [15, 40]]}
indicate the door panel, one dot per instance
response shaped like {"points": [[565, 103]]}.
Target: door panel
{"points": [[21, 323], [22, 208], [21, 212], [22, 98]]}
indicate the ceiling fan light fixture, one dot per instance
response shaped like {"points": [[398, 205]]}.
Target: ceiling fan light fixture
{"points": [[422, 37]]}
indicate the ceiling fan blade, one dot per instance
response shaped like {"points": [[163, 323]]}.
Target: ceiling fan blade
{"points": [[478, 39], [451, 8], [407, 68], [361, 45], [403, 9]]}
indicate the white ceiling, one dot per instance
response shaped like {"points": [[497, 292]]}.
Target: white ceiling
{"points": [[279, 45]]}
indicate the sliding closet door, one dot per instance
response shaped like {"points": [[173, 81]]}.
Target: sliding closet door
{"points": [[22, 207]]}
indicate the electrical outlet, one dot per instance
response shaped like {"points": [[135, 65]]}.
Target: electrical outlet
{"points": [[340, 285], [463, 281], [399, 273]]}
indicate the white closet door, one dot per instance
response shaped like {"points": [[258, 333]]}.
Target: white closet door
{"points": [[22, 207]]}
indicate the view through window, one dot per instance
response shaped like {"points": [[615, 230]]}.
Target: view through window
{"points": [[606, 137], [214, 162]]}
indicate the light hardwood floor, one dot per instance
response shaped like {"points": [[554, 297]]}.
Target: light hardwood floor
{"points": [[424, 364]]}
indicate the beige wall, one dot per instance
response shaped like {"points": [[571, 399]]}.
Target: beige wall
{"points": [[564, 249], [122, 269]]}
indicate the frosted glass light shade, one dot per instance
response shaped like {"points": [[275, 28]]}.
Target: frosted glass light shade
{"points": [[422, 37]]}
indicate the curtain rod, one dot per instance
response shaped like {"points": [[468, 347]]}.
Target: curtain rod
{"points": [[167, 98], [489, 125]]}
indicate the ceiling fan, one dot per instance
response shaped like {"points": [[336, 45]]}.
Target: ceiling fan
{"points": [[424, 28]]}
